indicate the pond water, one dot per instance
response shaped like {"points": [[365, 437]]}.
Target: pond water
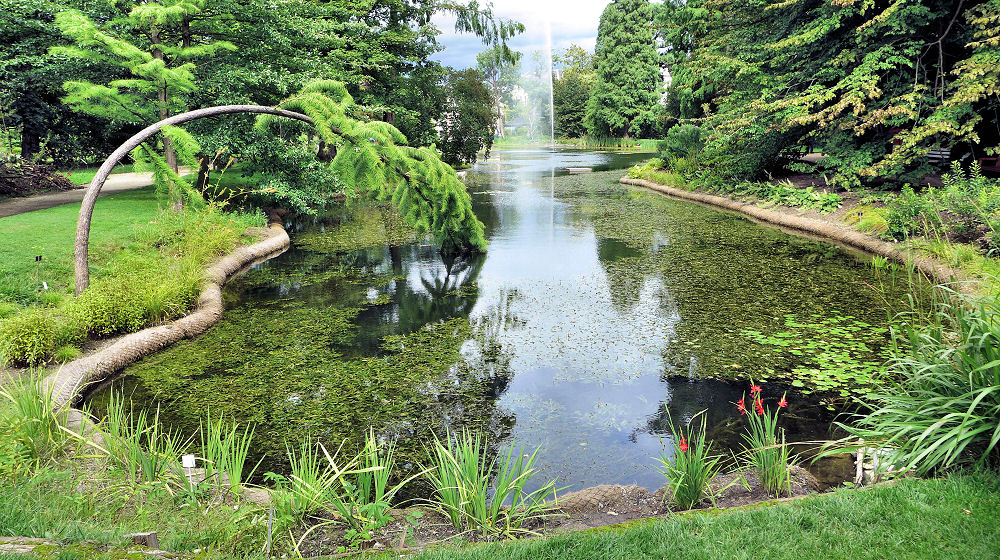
{"points": [[598, 310]]}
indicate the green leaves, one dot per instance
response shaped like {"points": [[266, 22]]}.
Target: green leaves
{"points": [[373, 162]]}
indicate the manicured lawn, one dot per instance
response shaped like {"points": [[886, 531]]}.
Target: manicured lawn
{"points": [[956, 517], [51, 232], [86, 174]]}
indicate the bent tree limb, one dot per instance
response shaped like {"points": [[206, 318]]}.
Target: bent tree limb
{"points": [[82, 247]]}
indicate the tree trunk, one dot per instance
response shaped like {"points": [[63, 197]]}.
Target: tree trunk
{"points": [[31, 143], [203, 174], [168, 151], [81, 248]]}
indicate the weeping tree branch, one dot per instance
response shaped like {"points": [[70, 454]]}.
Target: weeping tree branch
{"points": [[82, 246]]}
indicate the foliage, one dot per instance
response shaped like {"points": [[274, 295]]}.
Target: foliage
{"points": [[140, 445], [373, 160], [473, 491], [945, 409], [682, 141], [875, 86], [31, 425], [965, 208], [469, 118], [690, 469], [224, 449], [571, 91], [764, 443], [501, 71], [364, 499], [626, 91], [155, 275]]}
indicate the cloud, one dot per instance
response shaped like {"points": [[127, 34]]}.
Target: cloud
{"points": [[571, 22]]}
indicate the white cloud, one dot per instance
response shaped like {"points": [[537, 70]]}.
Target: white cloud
{"points": [[571, 22]]}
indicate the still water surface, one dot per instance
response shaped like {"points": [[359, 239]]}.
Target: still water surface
{"points": [[597, 310]]}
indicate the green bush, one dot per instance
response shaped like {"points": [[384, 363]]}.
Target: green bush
{"points": [[682, 141], [910, 213], [29, 337], [945, 409]]}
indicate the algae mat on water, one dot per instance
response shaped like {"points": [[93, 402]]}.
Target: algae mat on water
{"points": [[363, 323]]}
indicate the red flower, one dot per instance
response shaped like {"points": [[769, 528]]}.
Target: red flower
{"points": [[782, 403], [754, 389], [758, 406], [741, 407], [684, 445]]}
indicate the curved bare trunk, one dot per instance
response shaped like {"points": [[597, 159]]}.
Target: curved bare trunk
{"points": [[82, 246]]}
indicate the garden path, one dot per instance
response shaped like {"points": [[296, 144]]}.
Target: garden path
{"points": [[116, 183]]}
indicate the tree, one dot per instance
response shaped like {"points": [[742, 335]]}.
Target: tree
{"points": [[875, 85], [501, 70], [468, 122], [571, 91], [626, 92], [31, 85]]}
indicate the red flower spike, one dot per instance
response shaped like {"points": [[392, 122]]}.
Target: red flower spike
{"points": [[782, 403], [741, 406], [684, 445], [755, 389], [759, 407]]}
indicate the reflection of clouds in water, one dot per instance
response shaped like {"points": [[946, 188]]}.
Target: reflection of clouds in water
{"points": [[573, 327]]}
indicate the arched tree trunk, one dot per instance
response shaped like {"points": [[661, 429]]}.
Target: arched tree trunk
{"points": [[82, 246]]}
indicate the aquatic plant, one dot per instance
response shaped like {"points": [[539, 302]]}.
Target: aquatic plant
{"points": [[364, 498], [225, 450], [30, 421], [945, 409], [139, 445], [764, 446], [690, 469], [472, 490]]}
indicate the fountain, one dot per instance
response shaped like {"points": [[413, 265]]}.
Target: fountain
{"points": [[552, 105]]}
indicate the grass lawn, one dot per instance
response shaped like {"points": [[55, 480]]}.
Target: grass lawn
{"points": [[86, 174], [956, 517], [51, 232]]}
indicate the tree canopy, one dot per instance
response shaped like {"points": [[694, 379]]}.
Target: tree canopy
{"points": [[625, 97], [875, 85]]}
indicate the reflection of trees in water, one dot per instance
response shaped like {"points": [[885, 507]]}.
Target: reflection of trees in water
{"points": [[426, 288]]}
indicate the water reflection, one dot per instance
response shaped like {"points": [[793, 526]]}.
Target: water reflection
{"points": [[595, 311]]}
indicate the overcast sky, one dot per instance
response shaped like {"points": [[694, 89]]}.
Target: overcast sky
{"points": [[572, 21]]}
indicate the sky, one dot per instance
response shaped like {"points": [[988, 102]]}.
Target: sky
{"points": [[572, 21]]}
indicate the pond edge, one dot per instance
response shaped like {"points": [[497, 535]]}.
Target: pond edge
{"points": [[930, 267], [71, 379]]}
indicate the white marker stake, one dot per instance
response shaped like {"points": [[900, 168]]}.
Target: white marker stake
{"points": [[45, 285], [187, 461]]}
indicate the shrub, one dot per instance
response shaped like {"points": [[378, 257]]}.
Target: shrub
{"points": [[945, 408], [691, 469], [29, 337], [764, 443], [910, 213], [682, 141], [472, 490]]}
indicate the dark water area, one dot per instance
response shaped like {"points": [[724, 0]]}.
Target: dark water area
{"points": [[597, 310]]}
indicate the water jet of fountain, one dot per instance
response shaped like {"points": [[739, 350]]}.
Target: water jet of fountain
{"points": [[552, 105]]}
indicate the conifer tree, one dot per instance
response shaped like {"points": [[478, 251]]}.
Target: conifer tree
{"points": [[160, 71], [626, 92]]}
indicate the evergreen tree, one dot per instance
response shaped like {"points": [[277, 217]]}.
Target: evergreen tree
{"points": [[626, 93], [161, 74], [571, 91]]}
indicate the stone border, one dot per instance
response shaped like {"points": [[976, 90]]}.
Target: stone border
{"points": [[69, 380], [930, 267]]}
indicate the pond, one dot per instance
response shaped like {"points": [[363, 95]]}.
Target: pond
{"points": [[598, 311]]}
